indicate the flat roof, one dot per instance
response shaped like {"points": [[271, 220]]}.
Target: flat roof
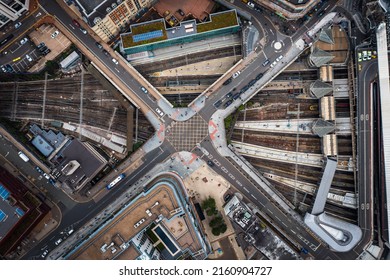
{"points": [[9, 215], [164, 237], [186, 28], [89, 162], [185, 237], [42, 145]]}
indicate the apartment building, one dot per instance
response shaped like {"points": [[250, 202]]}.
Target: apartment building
{"points": [[11, 10]]}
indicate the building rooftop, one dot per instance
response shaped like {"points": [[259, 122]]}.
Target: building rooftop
{"points": [[320, 89], [326, 36], [53, 138], [320, 57], [322, 127], [156, 31], [9, 214], [69, 60], [89, 163], [42, 145], [95, 9], [168, 231]]}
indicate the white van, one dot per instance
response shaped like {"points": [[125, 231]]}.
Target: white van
{"points": [[23, 156]]}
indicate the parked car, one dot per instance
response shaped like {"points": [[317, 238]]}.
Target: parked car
{"points": [[229, 95], [105, 52], [55, 34], [265, 63], [115, 61], [58, 241], [24, 41], [228, 81], [210, 163], [250, 4], [18, 24], [83, 30], [99, 45], [75, 22], [279, 58], [41, 45], [218, 103], [29, 58]]}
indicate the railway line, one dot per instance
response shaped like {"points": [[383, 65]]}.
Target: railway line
{"points": [[24, 101]]}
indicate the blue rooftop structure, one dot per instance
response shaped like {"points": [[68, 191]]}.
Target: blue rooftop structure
{"points": [[148, 35], [4, 193], [42, 145], [54, 139], [2, 215], [19, 211]]}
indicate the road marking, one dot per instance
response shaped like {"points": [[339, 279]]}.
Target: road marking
{"points": [[293, 231], [246, 190], [285, 224], [253, 196], [270, 211], [278, 218]]}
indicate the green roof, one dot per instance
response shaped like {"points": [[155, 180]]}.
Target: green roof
{"points": [[150, 26], [217, 21]]}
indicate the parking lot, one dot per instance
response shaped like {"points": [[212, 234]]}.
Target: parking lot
{"points": [[56, 45], [24, 56], [20, 56]]}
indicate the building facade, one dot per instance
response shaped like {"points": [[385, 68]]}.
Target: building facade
{"points": [[11, 10], [109, 17]]}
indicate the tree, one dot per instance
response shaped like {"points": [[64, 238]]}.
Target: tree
{"points": [[216, 222], [216, 231], [209, 206]]}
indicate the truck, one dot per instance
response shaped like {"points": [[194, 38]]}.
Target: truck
{"points": [[23, 156]]}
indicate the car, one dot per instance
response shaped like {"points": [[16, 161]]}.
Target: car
{"points": [[75, 22], [51, 181], [99, 45], [235, 75], [18, 24], [228, 81], [9, 68], [229, 95], [24, 41], [251, 83], [55, 34], [181, 12], [44, 253], [115, 61], [46, 52], [41, 45], [83, 30], [273, 64], [29, 58], [144, 90], [359, 57], [236, 96], [369, 53], [37, 168], [250, 4], [148, 212], [218, 103], [227, 197], [265, 63], [159, 112], [3, 69], [105, 52], [279, 58], [46, 176], [259, 76], [227, 104], [210, 163], [365, 55], [58, 241]]}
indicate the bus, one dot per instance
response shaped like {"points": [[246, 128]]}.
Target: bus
{"points": [[117, 179], [23, 156]]}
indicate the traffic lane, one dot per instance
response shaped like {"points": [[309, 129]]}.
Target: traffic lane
{"points": [[84, 212], [231, 173]]}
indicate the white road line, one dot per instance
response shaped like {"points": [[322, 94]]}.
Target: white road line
{"points": [[293, 231], [253, 196], [270, 211], [276, 217], [285, 224], [246, 190]]}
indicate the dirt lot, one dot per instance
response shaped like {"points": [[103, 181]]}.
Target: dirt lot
{"points": [[56, 45]]}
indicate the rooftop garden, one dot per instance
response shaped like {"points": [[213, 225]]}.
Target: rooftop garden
{"points": [[218, 21], [128, 41]]}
